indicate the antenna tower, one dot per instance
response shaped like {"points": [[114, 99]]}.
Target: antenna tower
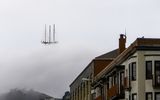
{"points": [[49, 36]]}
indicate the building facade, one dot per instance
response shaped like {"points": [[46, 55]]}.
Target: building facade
{"points": [[79, 89], [131, 73]]}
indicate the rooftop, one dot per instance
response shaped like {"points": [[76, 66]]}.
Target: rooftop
{"points": [[111, 54], [138, 44]]}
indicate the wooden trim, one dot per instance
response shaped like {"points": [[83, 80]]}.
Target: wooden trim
{"points": [[152, 55], [132, 57]]}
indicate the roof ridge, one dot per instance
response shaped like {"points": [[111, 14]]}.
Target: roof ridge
{"points": [[110, 54]]}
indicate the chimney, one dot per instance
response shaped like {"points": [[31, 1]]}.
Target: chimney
{"points": [[122, 43]]}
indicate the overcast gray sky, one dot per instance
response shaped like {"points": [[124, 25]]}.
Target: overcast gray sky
{"points": [[85, 29]]}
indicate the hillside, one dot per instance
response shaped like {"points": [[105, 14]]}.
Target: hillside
{"points": [[21, 94]]}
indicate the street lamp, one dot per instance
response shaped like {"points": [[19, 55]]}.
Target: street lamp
{"points": [[86, 79]]}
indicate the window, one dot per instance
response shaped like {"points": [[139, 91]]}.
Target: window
{"points": [[129, 97], [110, 82], [157, 95], [148, 69], [157, 72], [133, 71], [149, 96], [115, 80], [98, 92], [134, 96], [129, 74], [87, 87], [84, 89], [122, 78]]}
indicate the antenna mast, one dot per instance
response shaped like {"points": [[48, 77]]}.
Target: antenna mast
{"points": [[45, 34], [48, 35], [125, 33], [54, 33]]}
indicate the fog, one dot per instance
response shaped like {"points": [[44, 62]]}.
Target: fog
{"points": [[84, 29]]}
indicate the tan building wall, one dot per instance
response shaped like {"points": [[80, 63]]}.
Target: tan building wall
{"points": [[141, 86], [140, 75]]}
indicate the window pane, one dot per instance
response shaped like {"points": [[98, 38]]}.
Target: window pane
{"points": [[157, 67], [157, 96], [157, 72], [130, 74], [149, 96], [110, 82], [122, 78], [134, 96], [115, 80], [149, 70], [134, 71]]}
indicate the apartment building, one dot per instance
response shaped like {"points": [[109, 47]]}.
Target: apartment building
{"points": [[100, 85], [81, 88], [133, 75]]}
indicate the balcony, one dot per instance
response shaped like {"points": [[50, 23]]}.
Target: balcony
{"points": [[127, 84], [113, 91], [99, 98], [116, 92], [121, 94], [156, 81]]}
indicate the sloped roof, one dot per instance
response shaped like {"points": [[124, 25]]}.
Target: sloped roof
{"points": [[111, 54], [138, 44]]}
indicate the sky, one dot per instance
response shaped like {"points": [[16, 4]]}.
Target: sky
{"points": [[84, 29]]}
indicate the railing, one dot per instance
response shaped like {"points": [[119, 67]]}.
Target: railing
{"points": [[99, 98], [156, 81], [113, 91], [127, 83], [121, 92]]}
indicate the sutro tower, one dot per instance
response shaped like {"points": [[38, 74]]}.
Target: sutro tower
{"points": [[49, 35]]}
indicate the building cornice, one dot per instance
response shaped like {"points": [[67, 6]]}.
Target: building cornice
{"points": [[139, 44]]}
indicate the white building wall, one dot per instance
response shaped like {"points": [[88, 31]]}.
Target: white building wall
{"points": [[132, 58], [151, 56], [140, 68], [141, 85]]}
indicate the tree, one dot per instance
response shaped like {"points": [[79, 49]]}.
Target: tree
{"points": [[66, 96]]}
